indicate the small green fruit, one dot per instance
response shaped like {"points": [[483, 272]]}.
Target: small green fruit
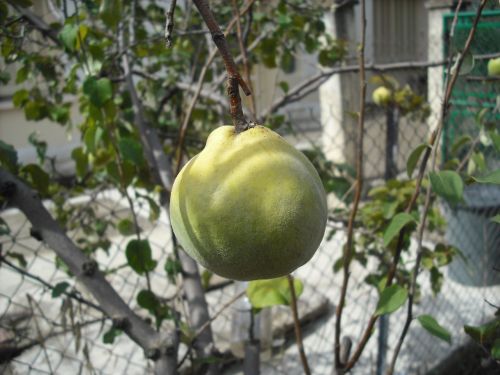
{"points": [[249, 205], [382, 96], [494, 67]]}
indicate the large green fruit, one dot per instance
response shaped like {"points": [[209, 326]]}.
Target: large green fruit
{"points": [[249, 205], [494, 67]]}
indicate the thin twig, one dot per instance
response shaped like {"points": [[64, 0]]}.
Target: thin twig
{"points": [[312, 83], [444, 112], [169, 23], [243, 51], [25, 273], [234, 78], [298, 330], [469, 153], [357, 195], [201, 79], [217, 314]]}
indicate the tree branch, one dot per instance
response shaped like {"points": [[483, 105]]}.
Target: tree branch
{"points": [[310, 84], [72, 295], [157, 346], [444, 112], [201, 78], [36, 21], [348, 250], [233, 77], [243, 51], [298, 330], [169, 23]]}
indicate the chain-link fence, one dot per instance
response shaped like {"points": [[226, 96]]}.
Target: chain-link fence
{"points": [[48, 324]]}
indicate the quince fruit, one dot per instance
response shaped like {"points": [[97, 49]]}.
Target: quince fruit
{"points": [[494, 67], [382, 96], [249, 205]]}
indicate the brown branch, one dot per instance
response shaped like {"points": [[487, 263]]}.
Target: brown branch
{"points": [[312, 83], [201, 78], [298, 330], [348, 250], [233, 77], [72, 295], [161, 347], [244, 54], [169, 23], [217, 314], [444, 112], [36, 21]]}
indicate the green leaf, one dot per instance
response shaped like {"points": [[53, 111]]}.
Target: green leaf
{"points": [[4, 227], [110, 12], [491, 178], [397, 223], [172, 268], [24, 3], [68, 36], [18, 257], [496, 219], [59, 289], [434, 328], [287, 63], [463, 140], [148, 300], [495, 350], [131, 150], [99, 91], [284, 86], [8, 156], [206, 276], [38, 178], [272, 292], [484, 332], [109, 337], [436, 278], [40, 146], [139, 256], [448, 185], [20, 97], [412, 161], [467, 64], [81, 161], [391, 299], [126, 227]]}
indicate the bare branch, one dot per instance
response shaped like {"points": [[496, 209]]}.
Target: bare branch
{"points": [[201, 78], [444, 112], [25, 273], [310, 84], [243, 51], [348, 250], [158, 160], [86, 271], [298, 330], [234, 78], [169, 23]]}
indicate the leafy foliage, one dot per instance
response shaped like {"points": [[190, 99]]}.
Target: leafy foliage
{"points": [[272, 292]]}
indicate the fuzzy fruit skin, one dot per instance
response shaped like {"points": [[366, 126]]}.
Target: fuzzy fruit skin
{"points": [[249, 206], [382, 96], [494, 67]]}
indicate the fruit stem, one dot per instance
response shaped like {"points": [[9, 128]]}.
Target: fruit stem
{"points": [[234, 79]]}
